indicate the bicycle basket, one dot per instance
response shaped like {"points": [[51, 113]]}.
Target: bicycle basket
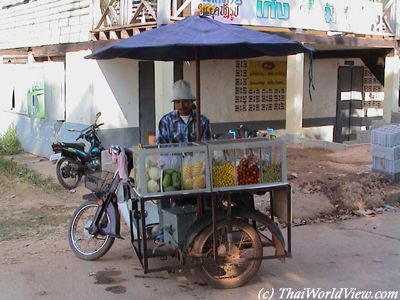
{"points": [[98, 182]]}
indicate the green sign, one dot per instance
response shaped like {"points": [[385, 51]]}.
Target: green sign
{"points": [[36, 107]]}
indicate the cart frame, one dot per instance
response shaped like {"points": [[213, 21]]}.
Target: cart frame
{"points": [[141, 248]]}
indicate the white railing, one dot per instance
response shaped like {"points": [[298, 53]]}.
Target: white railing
{"points": [[116, 13], [181, 8], [390, 19]]}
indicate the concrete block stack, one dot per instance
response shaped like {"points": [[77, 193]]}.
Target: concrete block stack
{"points": [[385, 150]]}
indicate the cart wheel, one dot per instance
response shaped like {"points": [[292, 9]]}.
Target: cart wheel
{"points": [[232, 269]]}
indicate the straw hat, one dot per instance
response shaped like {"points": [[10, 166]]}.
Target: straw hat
{"points": [[181, 91]]}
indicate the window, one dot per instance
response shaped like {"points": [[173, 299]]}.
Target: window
{"points": [[13, 100]]}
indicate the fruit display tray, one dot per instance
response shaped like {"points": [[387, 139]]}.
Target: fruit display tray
{"points": [[224, 165], [171, 169], [247, 163]]}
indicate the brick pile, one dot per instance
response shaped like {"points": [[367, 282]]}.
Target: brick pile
{"points": [[385, 150]]}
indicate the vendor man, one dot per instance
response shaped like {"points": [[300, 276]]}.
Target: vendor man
{"points": [[179, 125]]}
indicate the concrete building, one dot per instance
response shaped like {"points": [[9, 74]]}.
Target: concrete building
{"points": [[48, 86]]}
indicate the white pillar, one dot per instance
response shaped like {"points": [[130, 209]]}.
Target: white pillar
{"points": [[294, 93], [163, 11], [390, 103], [164, 79]]}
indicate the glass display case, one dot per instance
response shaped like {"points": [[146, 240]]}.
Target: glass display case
{"points": [[223, 165], [171, 169], [240, 163]]}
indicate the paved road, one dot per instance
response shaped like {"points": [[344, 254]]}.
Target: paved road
{"points": [[362, 253]]}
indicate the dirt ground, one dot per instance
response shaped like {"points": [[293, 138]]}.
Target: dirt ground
{"points": [[28, 213], [331, 183], [326, 185]]}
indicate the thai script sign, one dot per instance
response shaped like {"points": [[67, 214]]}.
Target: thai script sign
{"points": [[266, 75], [355, 16]]}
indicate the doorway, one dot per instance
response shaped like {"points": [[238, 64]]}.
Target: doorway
{"points": [[349, 107], [147, 113]]}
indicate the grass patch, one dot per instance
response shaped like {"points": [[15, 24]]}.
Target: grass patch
{"points": [[32, 222], [10, 168], [9, 143], [11, 229]]}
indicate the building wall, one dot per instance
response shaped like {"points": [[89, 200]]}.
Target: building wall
{"points": [[73, 96], [112, 87], [218, 94], [18, 79], [36, 134], [319, 114], [109, 86], [323, 103], [44, 22]]}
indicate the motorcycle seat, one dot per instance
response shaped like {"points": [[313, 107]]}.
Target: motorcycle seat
{"points": [[80, 146]]}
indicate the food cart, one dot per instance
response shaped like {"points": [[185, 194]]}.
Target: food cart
{"points": [[220, 237], [225, 238]]}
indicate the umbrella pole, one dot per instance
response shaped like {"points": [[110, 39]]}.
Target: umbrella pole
{"points": [[199, 211], [198, 107]]}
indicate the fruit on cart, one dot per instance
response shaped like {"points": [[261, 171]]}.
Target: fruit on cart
{"points": [[171, 180], [271, 173], [199, 181], [153, 186], [198, 168], [169, 189], [223, 174], [248, 170], [187, 175], [193, 174], [187, 183], [176, 180], [167, 180], [153, 176], [154, 173], [187, 169]]}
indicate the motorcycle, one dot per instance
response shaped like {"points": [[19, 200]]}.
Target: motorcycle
{"points": [[72, 160], [98, 219]]}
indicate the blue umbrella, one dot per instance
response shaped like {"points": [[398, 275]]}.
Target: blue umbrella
{"points": [[215, 40], [200, 38]]}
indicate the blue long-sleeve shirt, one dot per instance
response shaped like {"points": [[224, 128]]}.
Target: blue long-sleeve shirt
{"points": [[172, 129]]}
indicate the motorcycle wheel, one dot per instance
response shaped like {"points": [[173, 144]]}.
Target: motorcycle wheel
{"points": [[82, 243], [231, 269], [68, 173]]}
